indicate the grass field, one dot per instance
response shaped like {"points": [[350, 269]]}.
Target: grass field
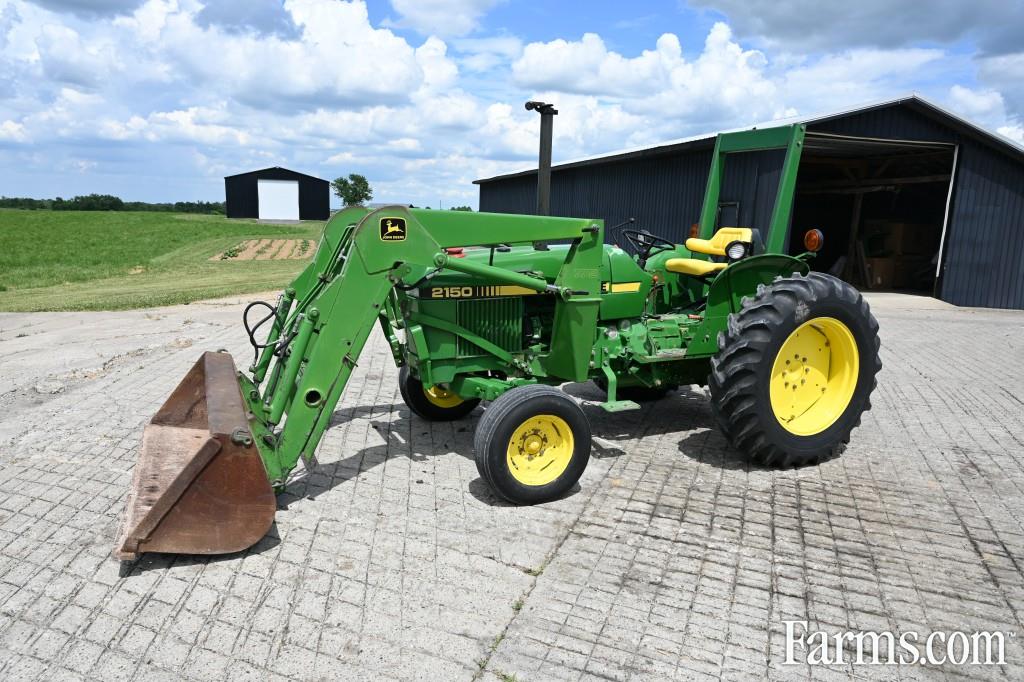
{"points": [[73, 260]]}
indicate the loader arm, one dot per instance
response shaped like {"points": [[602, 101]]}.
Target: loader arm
{"points": [[325, 317], [224, 441]]}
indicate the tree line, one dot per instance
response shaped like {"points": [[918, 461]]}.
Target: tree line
{"points": [[108, 202]]}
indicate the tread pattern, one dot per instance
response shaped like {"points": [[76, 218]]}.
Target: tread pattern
{"points": [[745, 344], [496, 414]]}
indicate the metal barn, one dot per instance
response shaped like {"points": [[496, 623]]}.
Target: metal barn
{"points": [[277, 194], [909, 196]]}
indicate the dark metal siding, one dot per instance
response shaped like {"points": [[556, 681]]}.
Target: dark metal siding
{"points": [[241, 193], [897, 123], [240, 200], [663, 194], [983, 254]]}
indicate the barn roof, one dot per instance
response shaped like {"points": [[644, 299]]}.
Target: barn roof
{"points": [[706, 140], [263, 171]]}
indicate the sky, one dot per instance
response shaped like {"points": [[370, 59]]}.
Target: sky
{"points": [[158, 100]]}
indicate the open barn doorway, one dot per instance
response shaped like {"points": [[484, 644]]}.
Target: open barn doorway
{"points": [[882, 206]]}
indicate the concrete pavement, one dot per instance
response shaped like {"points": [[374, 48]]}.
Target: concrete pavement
{"points": [[392, 560]]}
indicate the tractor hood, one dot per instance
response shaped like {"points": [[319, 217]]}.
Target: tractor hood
{"points": [[624, 285], [617, 266]]}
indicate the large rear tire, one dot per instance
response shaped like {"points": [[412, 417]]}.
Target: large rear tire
{"points": [[434, 403], [532, 444], [795, 370]]}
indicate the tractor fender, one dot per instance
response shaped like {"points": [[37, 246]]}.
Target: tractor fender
{"points": [[742, 278]]}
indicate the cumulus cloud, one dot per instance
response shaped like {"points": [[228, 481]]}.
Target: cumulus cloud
{"points": [[986, 107], [725, 85], [484, 54], [1014, 132], [443, 18], [855, 76], [976, 103], [265, 17], [1006, 74], [11, 131], [798, 24], [89, 8], [66, 58], [658, 82], [169, 95], [203, 125], [339, 60], [587, 66], [8, 18]]}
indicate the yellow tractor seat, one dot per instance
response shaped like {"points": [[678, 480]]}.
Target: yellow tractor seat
{"points": [[716, 245], [692, 266], [712, 247]]}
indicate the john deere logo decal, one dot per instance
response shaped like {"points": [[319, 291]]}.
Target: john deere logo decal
{"points": [[392, 229]]}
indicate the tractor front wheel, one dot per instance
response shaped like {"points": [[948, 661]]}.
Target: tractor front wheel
{"points": [[532, 444], [432, 403], [795, 370]]}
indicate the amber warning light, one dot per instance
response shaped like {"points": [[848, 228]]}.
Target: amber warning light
{"points": [[814, 240]]}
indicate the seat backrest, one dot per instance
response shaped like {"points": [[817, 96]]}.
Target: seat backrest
{"points": [[716, 245]]}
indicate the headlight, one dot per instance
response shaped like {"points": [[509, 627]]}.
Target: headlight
{"points": [[736, 250]]}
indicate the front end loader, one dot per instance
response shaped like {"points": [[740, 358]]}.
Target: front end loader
{"points": [[502, 309]]}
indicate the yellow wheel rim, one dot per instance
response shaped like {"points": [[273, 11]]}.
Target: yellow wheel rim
{"points": [[814, 376], [442, 398], [540, 449]]}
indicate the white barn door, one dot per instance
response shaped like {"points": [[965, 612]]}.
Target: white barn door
{"points": [[279, 199]]}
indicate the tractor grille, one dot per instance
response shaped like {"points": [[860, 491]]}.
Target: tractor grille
{"points": [[499, 320]]}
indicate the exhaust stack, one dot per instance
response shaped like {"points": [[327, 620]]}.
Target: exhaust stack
{"points": [[547, 117]]}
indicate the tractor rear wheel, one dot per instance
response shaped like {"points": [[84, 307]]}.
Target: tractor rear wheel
{"points": [[795, 370], [532, 444], [432, 403]]}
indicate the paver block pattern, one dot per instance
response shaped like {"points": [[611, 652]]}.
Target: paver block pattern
{"points": [[392, 560]]}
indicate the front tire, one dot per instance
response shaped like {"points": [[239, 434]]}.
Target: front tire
{"points": [[532, 444], [795, 370], [434, 403]]}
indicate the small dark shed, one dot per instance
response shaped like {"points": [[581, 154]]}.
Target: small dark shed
{"points": [[910, 197], [277, 194]]}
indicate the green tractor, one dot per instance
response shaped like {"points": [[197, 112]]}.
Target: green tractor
{"points": [[475, 307]]}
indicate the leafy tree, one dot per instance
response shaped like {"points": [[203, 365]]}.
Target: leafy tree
{"points": [[90, 202], [462, 208], [355, 189], [24, 203]]}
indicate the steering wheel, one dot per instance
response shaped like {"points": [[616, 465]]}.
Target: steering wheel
{"points": [[645, 243]]}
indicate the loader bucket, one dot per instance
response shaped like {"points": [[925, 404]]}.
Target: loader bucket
{"points": [[199, 485]]}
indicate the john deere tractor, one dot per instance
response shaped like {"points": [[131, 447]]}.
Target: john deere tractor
{"points": [[477, 309]]}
